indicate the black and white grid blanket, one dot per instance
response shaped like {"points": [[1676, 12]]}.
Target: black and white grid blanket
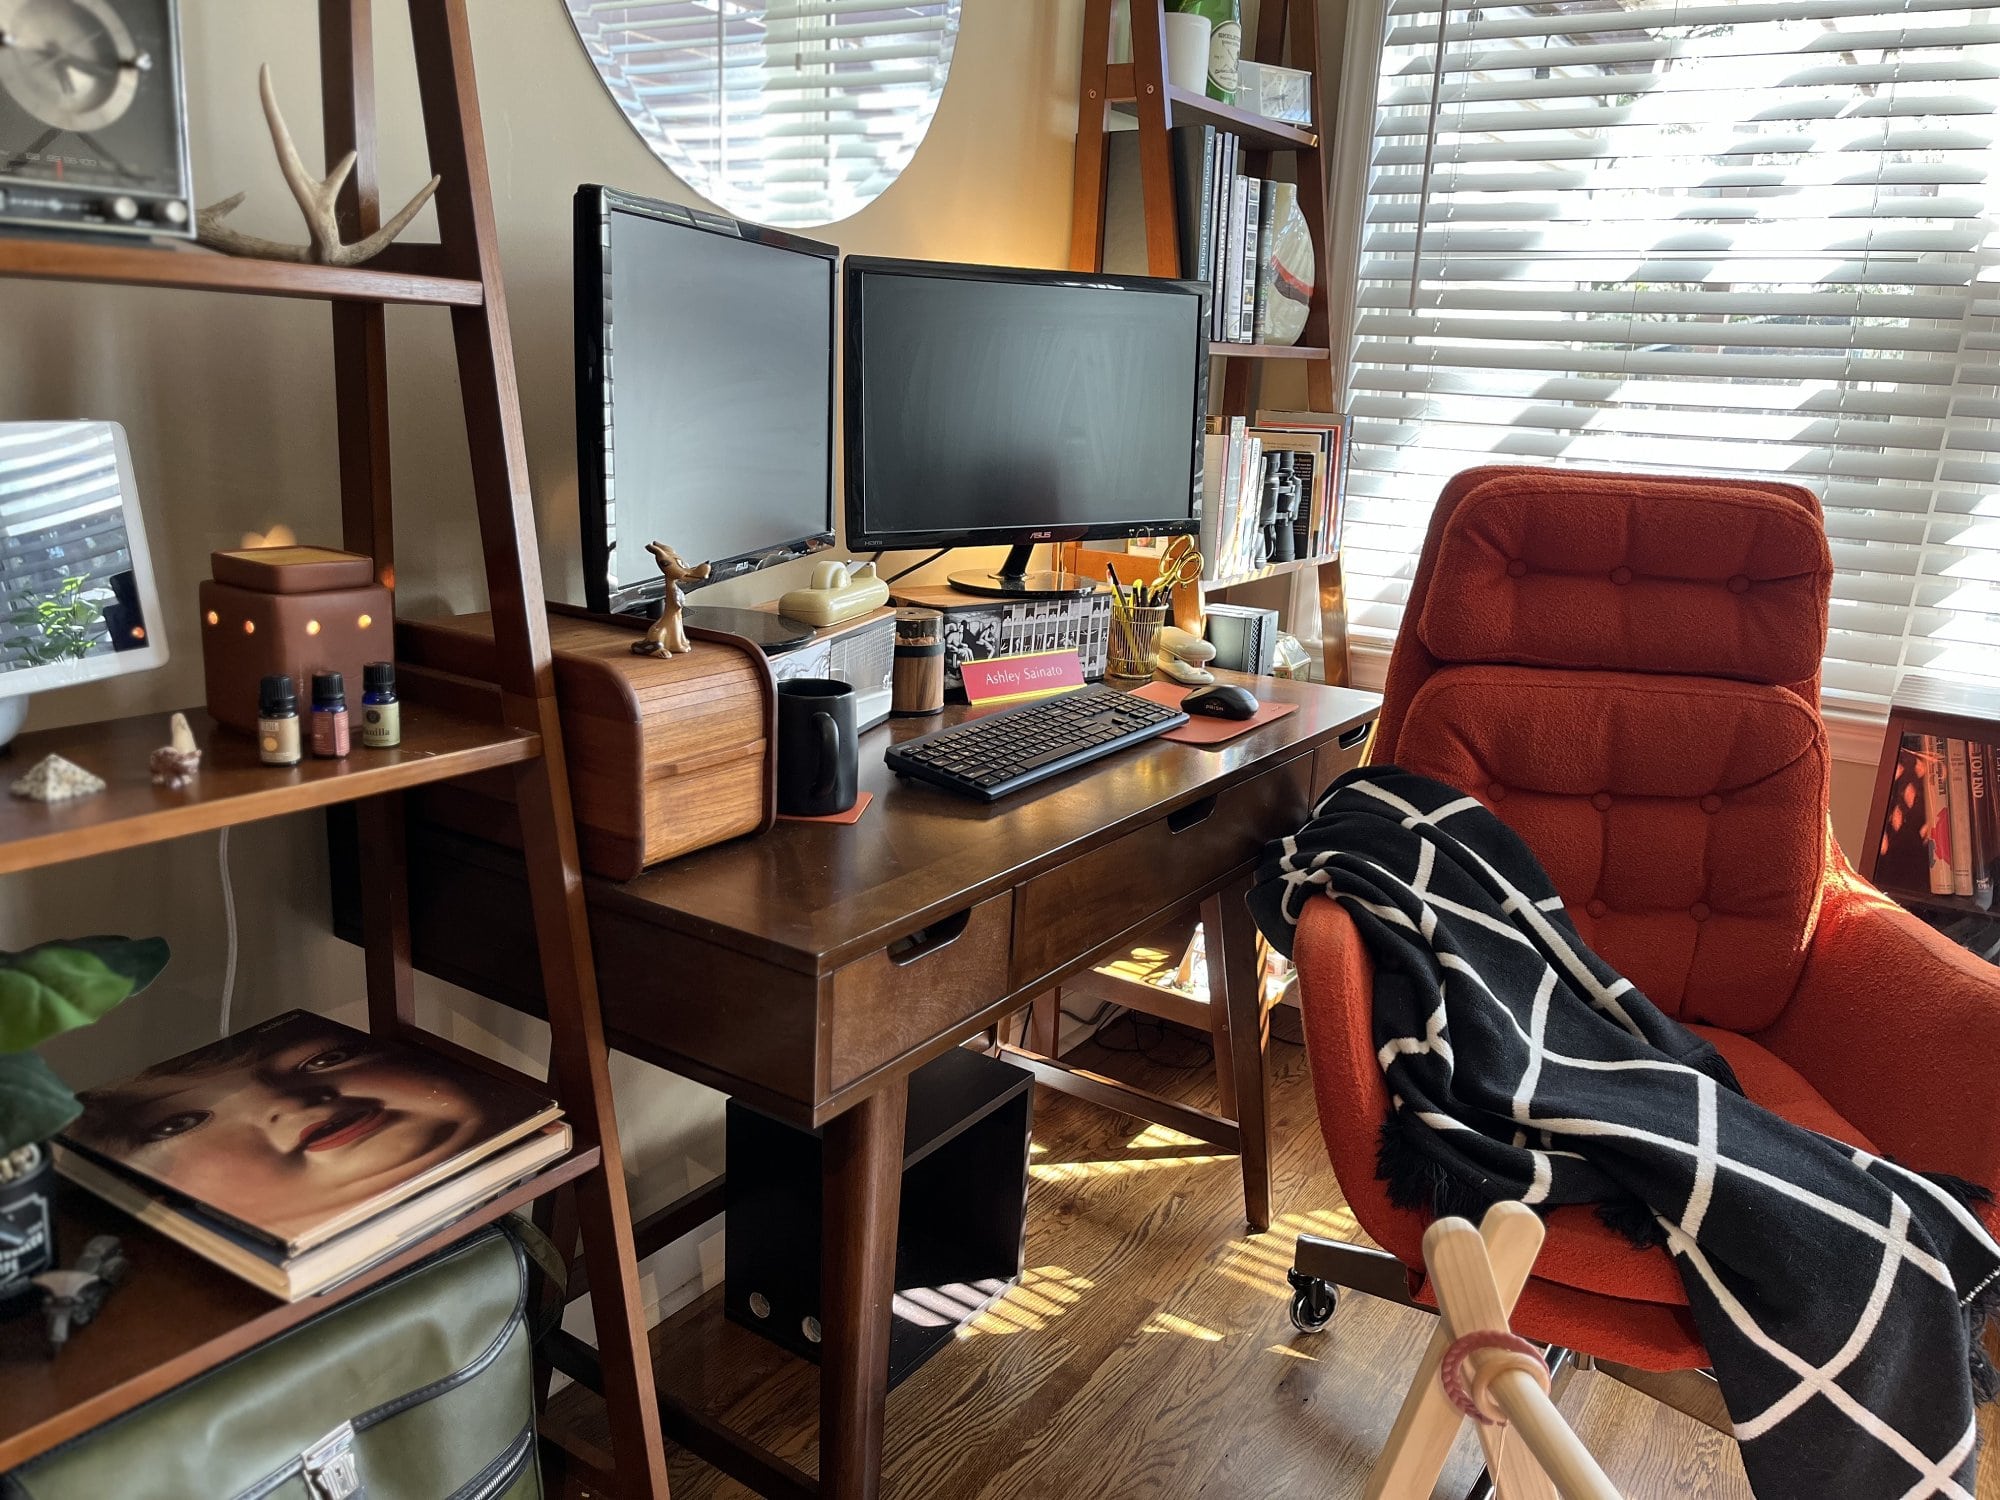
{"points": [[1839, 1295]]}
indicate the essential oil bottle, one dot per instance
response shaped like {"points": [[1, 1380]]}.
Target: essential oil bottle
{"points": [[381, 710], [329, 715], [277, 721]]}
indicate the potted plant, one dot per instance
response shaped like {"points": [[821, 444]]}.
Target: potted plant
{"points": [[44, 991]]}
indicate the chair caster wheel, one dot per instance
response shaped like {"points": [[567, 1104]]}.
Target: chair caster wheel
{"points": [[1313, 1302]]}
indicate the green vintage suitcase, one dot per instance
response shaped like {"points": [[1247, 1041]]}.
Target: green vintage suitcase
{"points": [[418, 1389]]}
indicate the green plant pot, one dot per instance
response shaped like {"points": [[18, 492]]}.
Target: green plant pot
{"points": [[27, 1227]]}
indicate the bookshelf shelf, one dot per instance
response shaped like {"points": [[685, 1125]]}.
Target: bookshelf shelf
{"points": [[1185, 107], [204, 270], [1269, 570], [1220, 350], [232, 786], [176, 1317], [1965, 904]]}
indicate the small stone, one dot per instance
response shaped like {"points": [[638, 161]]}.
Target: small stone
{"points": [[53, 779]]}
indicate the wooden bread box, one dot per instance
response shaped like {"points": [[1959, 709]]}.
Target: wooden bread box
{"points": [[666, 754]]}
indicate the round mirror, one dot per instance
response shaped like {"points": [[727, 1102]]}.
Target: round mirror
{"points": [[793, 112]]}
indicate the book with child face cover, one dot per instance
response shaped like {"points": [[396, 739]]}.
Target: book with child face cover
{"points": [[300, 1129]]}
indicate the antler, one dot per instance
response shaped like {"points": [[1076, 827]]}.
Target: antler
{"points": [[316, 200]]}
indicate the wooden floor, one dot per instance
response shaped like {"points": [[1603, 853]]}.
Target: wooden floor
{"points": [[1147, 1352]]}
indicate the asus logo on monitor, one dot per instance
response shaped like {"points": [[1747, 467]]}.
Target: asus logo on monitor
{"points": [[1042, 536]]}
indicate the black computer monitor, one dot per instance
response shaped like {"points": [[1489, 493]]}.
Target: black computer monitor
{"points": [[704, 400], [987, 405]]}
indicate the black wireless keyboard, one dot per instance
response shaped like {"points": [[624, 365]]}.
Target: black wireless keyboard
{"points": [[1017, 747]]}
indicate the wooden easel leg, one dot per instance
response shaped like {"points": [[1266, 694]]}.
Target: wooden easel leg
{"points": [[1425, 1427], [1232, 940], [861, 1195]]}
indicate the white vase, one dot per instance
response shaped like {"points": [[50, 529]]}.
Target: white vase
{"points": [[13, 714], [1187, 50]]}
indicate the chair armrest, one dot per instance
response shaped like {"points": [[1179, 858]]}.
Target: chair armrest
{"points": [[1900, 1029]]}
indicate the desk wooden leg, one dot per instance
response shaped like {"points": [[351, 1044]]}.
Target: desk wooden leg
{"points": [[861, 1192], [1232, 940]]}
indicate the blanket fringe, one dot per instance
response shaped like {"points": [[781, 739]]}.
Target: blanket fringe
{"points": [[1422, 1177]]}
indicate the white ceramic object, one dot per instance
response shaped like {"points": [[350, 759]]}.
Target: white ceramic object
{"points": [[1187, 51]]}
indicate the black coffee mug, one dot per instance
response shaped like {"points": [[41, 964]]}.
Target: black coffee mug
{"points": [[818, 748]]}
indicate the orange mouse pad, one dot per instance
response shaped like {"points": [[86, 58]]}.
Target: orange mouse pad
{"points": [[1202, 730], [852, 815]]}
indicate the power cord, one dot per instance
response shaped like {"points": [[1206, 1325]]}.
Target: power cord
{"points": [[229, 922]]}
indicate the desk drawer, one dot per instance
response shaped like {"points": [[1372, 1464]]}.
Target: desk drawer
{"points": [[1069, 911], [883, 1005]]}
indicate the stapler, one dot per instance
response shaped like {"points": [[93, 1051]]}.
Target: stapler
{"points": [[839, 591], [1183, 656]]}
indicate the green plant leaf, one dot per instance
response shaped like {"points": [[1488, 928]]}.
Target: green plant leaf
{"points": [[34, 1103], [55, 987]]}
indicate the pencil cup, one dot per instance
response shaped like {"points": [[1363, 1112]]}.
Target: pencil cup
{"points": [[1135, 639]]}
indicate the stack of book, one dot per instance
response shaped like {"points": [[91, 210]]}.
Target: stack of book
{"points": [[1226, 224], [1942, 832], [1235, 460], [301, 1151]]}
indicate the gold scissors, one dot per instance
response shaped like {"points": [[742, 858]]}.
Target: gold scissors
{"points": [[1180, 564]]}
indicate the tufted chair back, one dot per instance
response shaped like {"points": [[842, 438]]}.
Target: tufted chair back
{"points": [[1625, 669]]}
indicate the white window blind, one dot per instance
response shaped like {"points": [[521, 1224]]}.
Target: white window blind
{"points": [[1755, 237], [802, 111]]}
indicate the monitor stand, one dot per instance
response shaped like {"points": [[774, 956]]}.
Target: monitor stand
{"points": [[1012, 580], [774, 632]]}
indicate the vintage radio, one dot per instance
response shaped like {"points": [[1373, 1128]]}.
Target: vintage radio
{"points": [[666, 754]]}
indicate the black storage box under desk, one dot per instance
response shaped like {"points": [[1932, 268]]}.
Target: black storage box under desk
{"points": [[959, 1233]]}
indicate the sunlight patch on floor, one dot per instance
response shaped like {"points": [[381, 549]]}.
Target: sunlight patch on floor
{"points": [[1166, 1322], [1160, 1135], [1042, 1294], [1084, 1171], [1291, 1353]]}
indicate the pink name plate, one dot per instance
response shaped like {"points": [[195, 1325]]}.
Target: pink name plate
{"points": [[1007, 679]]}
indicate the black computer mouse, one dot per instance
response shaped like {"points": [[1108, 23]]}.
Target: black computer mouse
{"points": [[1224, 700]]}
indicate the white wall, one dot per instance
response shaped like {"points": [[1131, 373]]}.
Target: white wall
{"points": [[228, 403]]}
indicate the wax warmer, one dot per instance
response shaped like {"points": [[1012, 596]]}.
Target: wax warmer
{"points": [[290, 610]]}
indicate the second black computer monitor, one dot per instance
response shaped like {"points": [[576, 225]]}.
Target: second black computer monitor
{"points": [[993, 406]]}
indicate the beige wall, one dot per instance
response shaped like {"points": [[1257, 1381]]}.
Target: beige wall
{"points": [[228, 404]]}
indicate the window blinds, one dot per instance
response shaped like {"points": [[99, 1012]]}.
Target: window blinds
{"points": [[1743, 236], [813, 106]]}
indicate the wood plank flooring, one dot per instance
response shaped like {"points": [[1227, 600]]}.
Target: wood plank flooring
{"points": [[1146, 1354]]}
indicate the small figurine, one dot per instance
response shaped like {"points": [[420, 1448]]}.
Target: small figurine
{"points": [[70, 1299], [173, 765], [666, 636], [53, 779]]}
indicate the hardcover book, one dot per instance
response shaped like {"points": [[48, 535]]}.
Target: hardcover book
{"points": [[300, 1129]]}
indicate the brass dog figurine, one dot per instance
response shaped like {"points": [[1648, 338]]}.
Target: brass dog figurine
{"points": [[667, 636]]}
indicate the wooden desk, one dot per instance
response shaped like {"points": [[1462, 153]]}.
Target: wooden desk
{"points": [[811, 969]]}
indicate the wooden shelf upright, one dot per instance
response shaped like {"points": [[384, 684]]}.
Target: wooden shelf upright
{"points": [[1141, 87], [180, 1317]]}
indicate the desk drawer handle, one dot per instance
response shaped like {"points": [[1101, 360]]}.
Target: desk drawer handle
{"points": [[1349, 738], [1181, 819], [926, 940]]}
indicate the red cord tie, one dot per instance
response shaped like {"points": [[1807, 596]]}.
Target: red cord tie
{"points": [[1451, 1372]]}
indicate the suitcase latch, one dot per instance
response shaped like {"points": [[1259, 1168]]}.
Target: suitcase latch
{"points": [[332, 1468]]}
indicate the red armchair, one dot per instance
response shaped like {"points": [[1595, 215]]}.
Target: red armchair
{"points": [[1626, 670]]}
